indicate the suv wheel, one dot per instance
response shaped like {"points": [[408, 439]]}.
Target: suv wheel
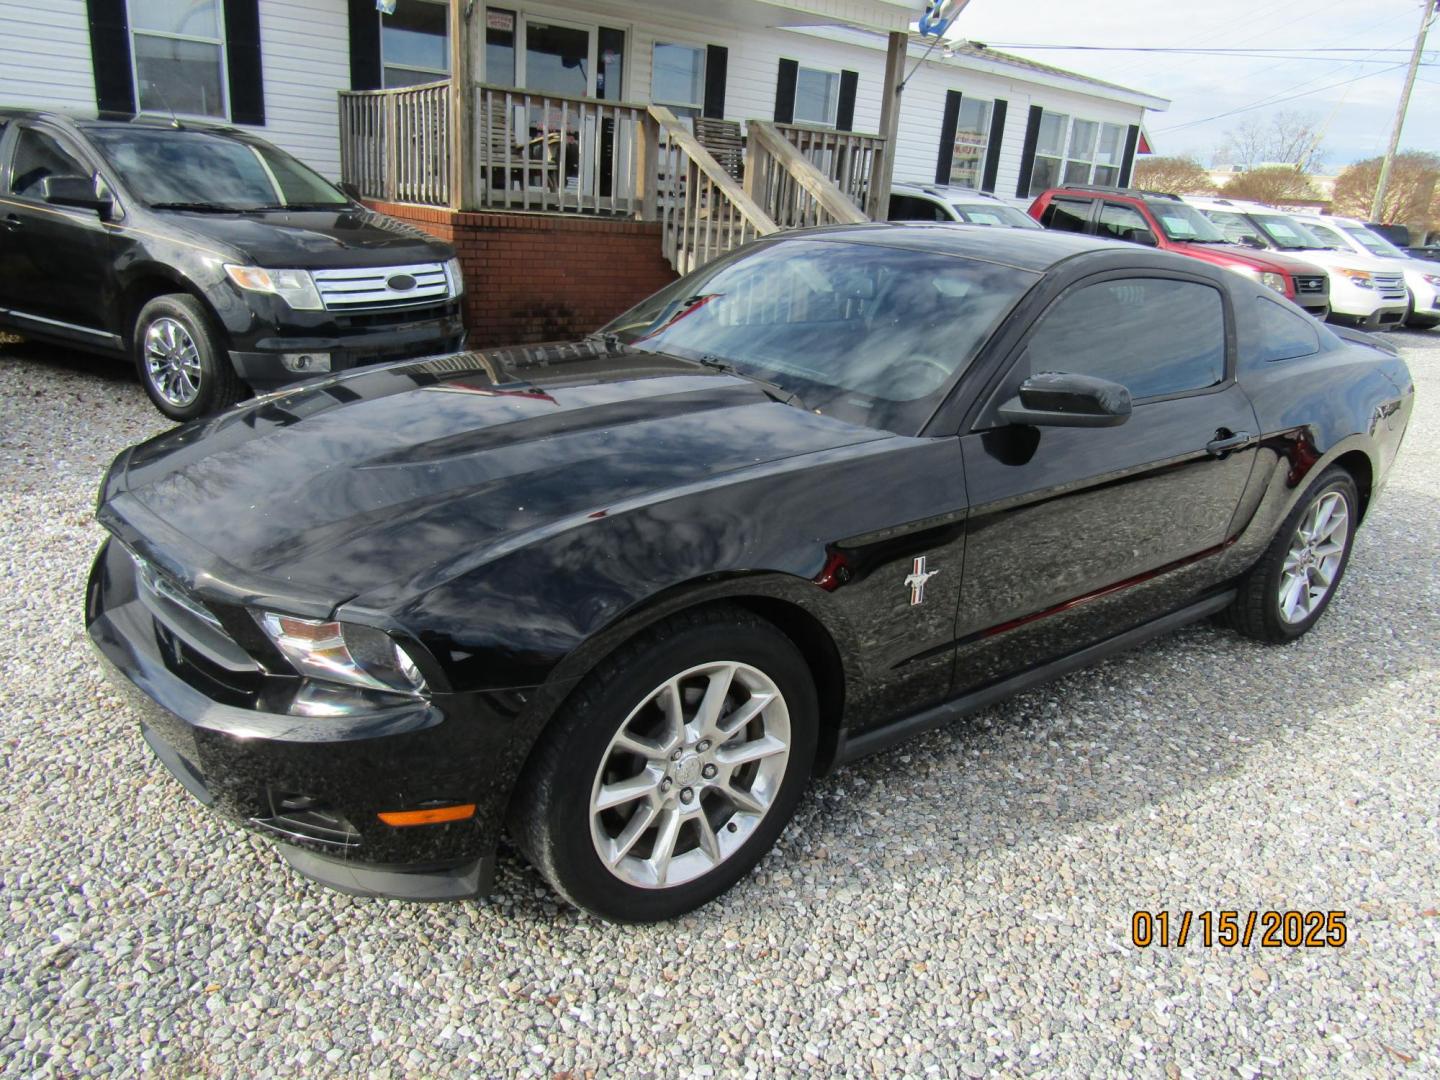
{"points": [[181, 364], [673, 769]]}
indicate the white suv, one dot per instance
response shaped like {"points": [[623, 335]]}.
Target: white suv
{"points": [[943, 202], [1422, 278], [1364, 290]]}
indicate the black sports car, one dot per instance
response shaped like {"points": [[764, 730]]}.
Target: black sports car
{"points": [[626, 595]]}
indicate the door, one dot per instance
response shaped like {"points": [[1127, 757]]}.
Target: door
{"points": [[563, 59], [57, 265], [1078, 533]]}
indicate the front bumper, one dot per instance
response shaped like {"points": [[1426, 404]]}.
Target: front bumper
{"points": [[316, 784], [1365, 308], [351, 341]]}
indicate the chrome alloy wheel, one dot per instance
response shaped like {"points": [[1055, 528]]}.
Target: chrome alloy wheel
{"points": [[1313, 561], [172, 362], [690, 774]]}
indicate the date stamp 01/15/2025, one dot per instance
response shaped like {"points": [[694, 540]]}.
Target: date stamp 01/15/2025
{"points": [[1231, 929]]}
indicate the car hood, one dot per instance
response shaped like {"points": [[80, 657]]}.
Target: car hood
{"points": [[312, 239], [343, 485], [1230, 254]]}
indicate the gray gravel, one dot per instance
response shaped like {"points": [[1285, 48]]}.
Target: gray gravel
{"points": [[957, 907]]}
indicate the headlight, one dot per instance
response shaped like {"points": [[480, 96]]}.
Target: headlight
{"points": [[1273, 281], [1432, 279], [1357, 277], [455, 277], [338, 652], [295, 287]]}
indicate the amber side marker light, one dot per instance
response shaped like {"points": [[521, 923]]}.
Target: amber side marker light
{"points": [[432, 816]]}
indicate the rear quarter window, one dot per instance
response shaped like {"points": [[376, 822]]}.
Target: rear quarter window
{"points": [[1283, 334]]}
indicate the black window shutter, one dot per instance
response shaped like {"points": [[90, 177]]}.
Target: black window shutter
{"points": [[1027, 152], [364, 46], [845, 110], [948, 125], [242, 56], [717, 62], [1127, 163], [785, 91], [992, 149], [110, 56]]}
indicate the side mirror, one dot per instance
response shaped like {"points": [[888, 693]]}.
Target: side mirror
{"points": [[1144, 237], [1062, 399], [74, 191]]}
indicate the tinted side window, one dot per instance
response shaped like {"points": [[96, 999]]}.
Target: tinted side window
{"points": [[1284, 334], [1067, 215], [1120, 222], [910, 208], [38, 156], [1152, 335]]}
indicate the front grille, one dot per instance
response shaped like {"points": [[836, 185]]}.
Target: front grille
{"points": [[1311, 286], [305, 817], [382, 286], [397, 316], [179, 615], [1391, 286]]}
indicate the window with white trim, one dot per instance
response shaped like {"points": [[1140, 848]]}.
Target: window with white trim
{"points": [[1075, 151], [817, 96], [415, 43], [179, 56], [677, 78], [972, 141]]}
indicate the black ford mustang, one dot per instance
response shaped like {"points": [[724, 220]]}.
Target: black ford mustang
{"points": [[626, 595]]}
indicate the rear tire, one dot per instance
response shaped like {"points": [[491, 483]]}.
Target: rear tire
{"points": [[672, 769], [180, 360], [1284, 594]]}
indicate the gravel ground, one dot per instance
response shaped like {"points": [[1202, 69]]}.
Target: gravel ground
{"points": [[957, 907]]}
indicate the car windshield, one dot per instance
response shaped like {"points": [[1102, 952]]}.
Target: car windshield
{"points": [[1373, 242], [1288, 234], [203, 170], [994, 214], [868, 333], [1181, 222], [1328, 236]]}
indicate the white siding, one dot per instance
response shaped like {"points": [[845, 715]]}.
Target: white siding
{"points": [[305, 54], [45, 54]]}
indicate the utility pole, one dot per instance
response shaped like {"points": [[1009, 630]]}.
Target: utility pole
{"points": [[1427, 11]]}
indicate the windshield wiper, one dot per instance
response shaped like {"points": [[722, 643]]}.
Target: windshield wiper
{"points": [[776, 392], [198, 207]]}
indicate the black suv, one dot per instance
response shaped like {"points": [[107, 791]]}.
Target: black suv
{"points": [[207, 255]]}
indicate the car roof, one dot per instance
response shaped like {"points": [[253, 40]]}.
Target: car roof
{"points": [[1025, 249], [1091, 191], [93, 118], [1239, 206], [948, 192]]}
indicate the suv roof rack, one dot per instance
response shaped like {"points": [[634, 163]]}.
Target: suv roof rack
{"points": [[1120, 191]]}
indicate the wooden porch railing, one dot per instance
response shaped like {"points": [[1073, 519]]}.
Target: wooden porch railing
{"points": [[546, 152], [703, 212], [845, 157], [788, 186], [395, 144]]}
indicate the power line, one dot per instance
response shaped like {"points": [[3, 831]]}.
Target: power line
{"points": [[1266, 102], [1182, 49]]}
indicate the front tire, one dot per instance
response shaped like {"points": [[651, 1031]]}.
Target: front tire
{"points": [[1285, 593], [673, 769], [180, 360]]}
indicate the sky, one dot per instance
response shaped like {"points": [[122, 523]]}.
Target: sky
{"points": [[1356, 117]]}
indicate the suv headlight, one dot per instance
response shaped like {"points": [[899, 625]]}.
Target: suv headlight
{"points": [[337, 652], [1267, 278], [295, 287], [1357, 277], [1432, 279], [454, 276]]}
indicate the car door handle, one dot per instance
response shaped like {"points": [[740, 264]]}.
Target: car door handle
{"points": [[12, 222], [1226, 440]]}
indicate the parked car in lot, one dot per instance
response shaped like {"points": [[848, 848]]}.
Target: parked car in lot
{"points": [[1364, 291], [207, 256], [380, 616], [1163, 221], [1422, 279], [942, 202]]}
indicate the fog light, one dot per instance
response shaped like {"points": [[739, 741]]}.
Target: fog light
{"points": [[306, 362]]}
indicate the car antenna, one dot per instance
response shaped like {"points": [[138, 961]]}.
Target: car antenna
{"points": [[150, 84]]}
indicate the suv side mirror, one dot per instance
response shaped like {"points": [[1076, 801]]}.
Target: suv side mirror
{"points": [[1144, 237], [1064, 399], [74, 191]]}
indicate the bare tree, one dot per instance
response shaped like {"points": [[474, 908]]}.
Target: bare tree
{"points": [[1271, 185], [1289, 138], [1176, 175], [1411, 198]]}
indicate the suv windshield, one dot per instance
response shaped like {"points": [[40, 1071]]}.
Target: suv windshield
{"points": [[994, 214], [1185, 223], [1373, 242], [203, 170], [1288, 234], [871, 334]]}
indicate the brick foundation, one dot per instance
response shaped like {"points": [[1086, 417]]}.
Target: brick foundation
{"points": [[543, 277]]}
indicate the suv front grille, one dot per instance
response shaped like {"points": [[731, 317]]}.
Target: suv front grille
{"points": [[1308, 285], [382, 286], [397, 316], [1391, 286]]}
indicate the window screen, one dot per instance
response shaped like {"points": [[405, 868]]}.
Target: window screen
{"points": [[1154, 336]]}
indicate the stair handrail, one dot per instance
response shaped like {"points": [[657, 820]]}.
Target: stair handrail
{"points": [[830, 204]]}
